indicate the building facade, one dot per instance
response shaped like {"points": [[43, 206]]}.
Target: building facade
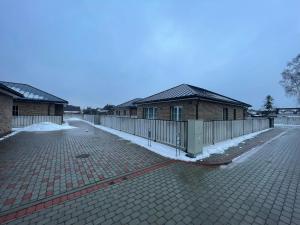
{"points": [[186, 102], [34, 102], [127, 109]]}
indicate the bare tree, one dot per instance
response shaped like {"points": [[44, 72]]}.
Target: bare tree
{"points": [[291, 78]]}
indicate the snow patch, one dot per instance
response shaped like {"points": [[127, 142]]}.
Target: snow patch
{"points": [[44, 126], [170, 152], [9, 135], [286, 125]]}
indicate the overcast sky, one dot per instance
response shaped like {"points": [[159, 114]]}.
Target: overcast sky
{"points": [[96, 52]]}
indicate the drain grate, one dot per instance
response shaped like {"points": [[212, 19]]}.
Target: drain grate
{"points": [[82, 156]]}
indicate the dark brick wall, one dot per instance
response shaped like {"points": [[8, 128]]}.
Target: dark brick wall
{"points": [[39, 109], [6, 103], [206, 110]]}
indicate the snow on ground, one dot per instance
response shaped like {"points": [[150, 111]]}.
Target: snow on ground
{"points": [[9, 135], [170, 152], [286, 125], [44, 126]]}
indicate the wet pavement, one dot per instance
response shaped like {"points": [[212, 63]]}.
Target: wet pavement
{"points": [[263, 188]]}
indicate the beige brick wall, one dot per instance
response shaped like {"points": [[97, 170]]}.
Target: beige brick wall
{"points": [[6, 103], [206, 110], [214, 111]]}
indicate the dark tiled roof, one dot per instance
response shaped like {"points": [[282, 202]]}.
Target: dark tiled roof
{"points": [[71, 108], [129, 104], [14, 93], [31, 93], [188, 91]]}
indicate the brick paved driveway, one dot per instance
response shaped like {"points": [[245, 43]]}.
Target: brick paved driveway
{"points": [[262, 189], [35, 166]]}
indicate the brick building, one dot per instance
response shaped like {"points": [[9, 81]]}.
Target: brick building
{"points": [[6, 102], [186, 102], [127, 109], [34, 101]]}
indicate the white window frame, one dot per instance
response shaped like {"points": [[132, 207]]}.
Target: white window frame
{"points": [[178, 113], [150, 113]]}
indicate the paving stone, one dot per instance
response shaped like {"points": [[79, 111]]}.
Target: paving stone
{"points": [[259, 190]]}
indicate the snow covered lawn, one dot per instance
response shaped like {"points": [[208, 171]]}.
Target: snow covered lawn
{"points": [[44, 126], [170, 152]]}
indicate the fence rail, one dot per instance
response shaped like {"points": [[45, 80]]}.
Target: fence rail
{"points": [[287, 120], [23, 121], [173, 133], [216, 131]]}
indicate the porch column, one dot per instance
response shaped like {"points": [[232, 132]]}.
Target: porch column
{"points": [[195, 137]]}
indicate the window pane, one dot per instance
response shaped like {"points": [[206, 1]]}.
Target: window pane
{"points": [[155, 113], [179, 113], [150, 113]]}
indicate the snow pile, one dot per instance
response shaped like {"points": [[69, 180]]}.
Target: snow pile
{"points": [[220, 147], [44, 126], [170, 152]]}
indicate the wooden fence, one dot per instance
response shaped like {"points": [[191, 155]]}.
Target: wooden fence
{"points": [[23, 121], [168, 132], [216, 131], [287, 120]]}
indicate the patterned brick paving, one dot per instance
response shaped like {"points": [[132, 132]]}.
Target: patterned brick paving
{"points": [[262, 189], [35, 166]]}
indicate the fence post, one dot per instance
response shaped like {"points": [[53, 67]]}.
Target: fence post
{"points": [[213, 132], [195, 137], [271, 122], [134, 126], [155, 130], [243, 127], [231, 128]]}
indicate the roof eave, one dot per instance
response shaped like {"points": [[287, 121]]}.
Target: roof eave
{"points": [[192, 97], [40, 100]]}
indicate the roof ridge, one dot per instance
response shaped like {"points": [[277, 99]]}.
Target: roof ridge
{"points": [[134, 100], [165, 90], [192, 86]]}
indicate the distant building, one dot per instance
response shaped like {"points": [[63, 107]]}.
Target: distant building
{"points": [[288, 111], [127, 109], [34, 101], [71, 109]]}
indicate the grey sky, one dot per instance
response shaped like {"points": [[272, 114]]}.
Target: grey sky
{"points": [[96, 52]]}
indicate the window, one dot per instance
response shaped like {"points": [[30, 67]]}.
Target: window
{"points": [[15, 110], [225, 113], [176, 113], [118, 112], [234, 114], [150, 113], [124, 112]]}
